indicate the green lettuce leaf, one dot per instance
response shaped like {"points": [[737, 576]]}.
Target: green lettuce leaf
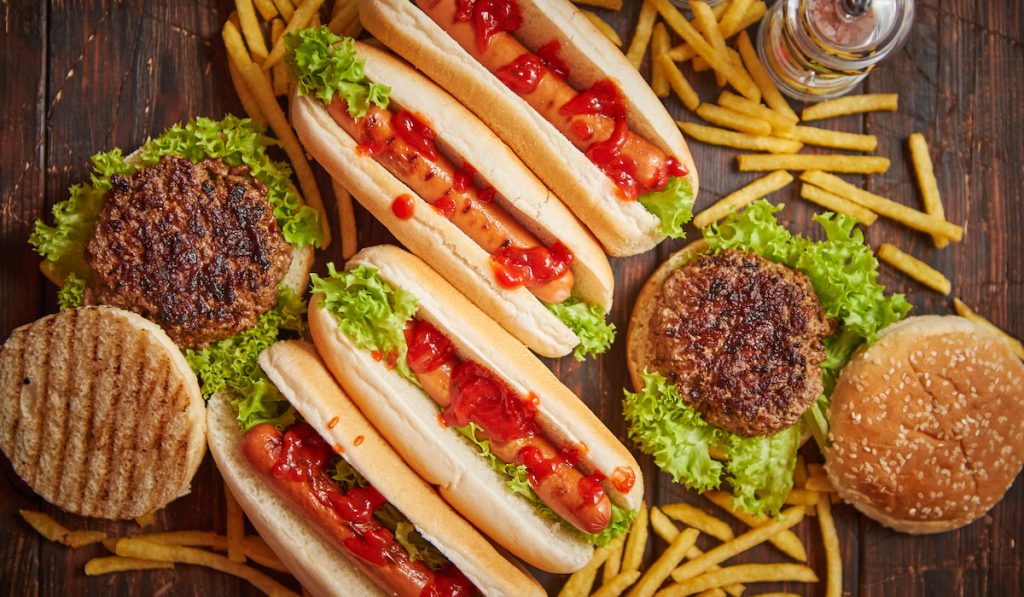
{"points": [[237, 141], [418, 548], [676, 435], [72, 294], [761, 469], [324, 65], [673, 206], [588, 323], [518, 483], [230, 364], [369, 311]]}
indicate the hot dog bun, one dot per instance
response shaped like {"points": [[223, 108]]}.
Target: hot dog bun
{"points": [[433, 237], [297, 371], [409, 418], [623, 227]]}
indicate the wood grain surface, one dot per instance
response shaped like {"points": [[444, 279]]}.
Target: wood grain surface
{"points": [[83, 76]]}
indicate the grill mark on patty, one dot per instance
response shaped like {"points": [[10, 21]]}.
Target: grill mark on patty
{"points": [[194, 247], [742, 338]]}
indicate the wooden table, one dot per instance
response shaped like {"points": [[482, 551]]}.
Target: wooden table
{"points": [[80, 77]]}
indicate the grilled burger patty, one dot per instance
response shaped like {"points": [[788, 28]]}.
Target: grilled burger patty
{"points": [[742, 338], [194, 247]]}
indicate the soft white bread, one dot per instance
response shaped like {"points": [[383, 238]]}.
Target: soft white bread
{"points": [[927, 425], [409, 418], [321, 568], [296, 369], [434, 237], [100, 413], [623, 227]]}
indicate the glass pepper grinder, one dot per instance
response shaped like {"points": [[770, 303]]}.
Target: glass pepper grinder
{"points": [[821, 49]]}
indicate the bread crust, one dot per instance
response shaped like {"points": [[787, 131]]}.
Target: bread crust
{"points": [[408, 417], [100, 413], [927, 425], [623, 227], [435, 238]]}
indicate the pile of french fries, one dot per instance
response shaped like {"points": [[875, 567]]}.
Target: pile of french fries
{"points": [[758, 118], [154, 551], [689, 570]]}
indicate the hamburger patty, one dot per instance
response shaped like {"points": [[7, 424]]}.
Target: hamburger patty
{"points": [[194, 247], [742, 338]]}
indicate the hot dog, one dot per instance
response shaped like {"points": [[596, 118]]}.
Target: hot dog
{"points": [[452, 192], [338, 506], [472, 411], [566, 100]]}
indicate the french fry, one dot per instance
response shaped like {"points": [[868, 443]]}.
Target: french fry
{"points": [[346, 220], [345, 20], [278, 74], [678, 82], [603, 27], [252, 109], [675, 20], [851, 164], [266, 9], [285, 8], [801, 497], [613, 565], [659, 45], [606, 4], [771, 94], [138, 548], [636, 543], [256, 80], [838, 204], [615, 586], [704, 20], [756, 536], [730, 20], [663, 566], [190, 538], [663, 527], [778, 594], [800, 472], [787, 541], [815, 469], [717, 136], [641, 34], [735, 589], [925, 174], [742, 197], [852, 104], [303, 15], [729, 118], [915, 268], [820, 483], [746, 573], [146, 520], [700, 520], [580, 581], [235, 527], [830, 538], [715, 592], [966, 312], [884, 207], [54, 531], [251, 29], [110, 564], [684, 51], [779, 122], [835, 139]]}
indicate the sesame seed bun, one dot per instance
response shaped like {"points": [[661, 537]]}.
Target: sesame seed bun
{"points": [[927, 425]]}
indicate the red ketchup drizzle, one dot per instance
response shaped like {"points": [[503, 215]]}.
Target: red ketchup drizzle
{"points": [[516, 266], [486, 194], [537, 467], [607, 155], [450, 582], [369, 148], [548, 54], [478, 396], [403, 206], [590, 489], [523, 74], [675, 167], [489, 18], [411, 128], [463, 178], [603, 97], [582, 129], [445, 206], [428, 348], [623, 479]]}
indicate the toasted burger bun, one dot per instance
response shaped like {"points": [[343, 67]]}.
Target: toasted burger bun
{"points": [[623, 227], [296, 369], [99, 412], [927, 425], [433, 237], [408, 418]]}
